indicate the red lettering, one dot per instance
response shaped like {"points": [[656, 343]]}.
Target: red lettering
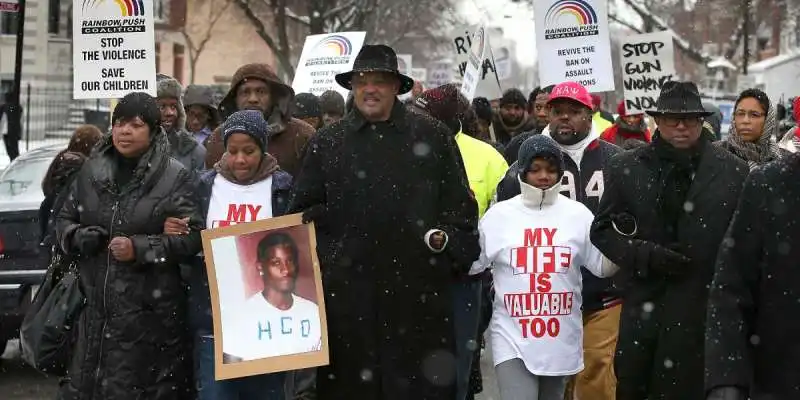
{"points": [[237, 212], [553, 327], [533, 237], [550, 233], [254, 209], [523, 323], [543, 283], [538, 327]]}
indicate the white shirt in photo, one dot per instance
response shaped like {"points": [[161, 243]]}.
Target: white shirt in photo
{"points": [[260, 330]]}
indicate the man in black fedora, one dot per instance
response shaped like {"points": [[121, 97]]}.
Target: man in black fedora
{"points": [[662, 217], [396, 226]]}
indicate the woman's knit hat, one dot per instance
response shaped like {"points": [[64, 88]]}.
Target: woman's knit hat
{"points": [[444, 103], [141, 105], [331, 102], [539, 146], [306, 105], [248, 122], [483, 109]]}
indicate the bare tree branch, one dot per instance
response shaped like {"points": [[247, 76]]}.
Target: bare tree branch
{"points": [[613, 17], [281, 53], [197, 46]]}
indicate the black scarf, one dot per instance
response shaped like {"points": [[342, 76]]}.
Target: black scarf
{"points": [[677, 169]]}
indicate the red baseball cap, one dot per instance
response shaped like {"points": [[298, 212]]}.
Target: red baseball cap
{"points": [[573, 91]]}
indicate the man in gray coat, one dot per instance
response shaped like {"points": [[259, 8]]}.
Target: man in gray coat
{"points": [[183, 147]]}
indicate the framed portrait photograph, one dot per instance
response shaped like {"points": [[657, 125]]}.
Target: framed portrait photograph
{"points": [[266, 297]]}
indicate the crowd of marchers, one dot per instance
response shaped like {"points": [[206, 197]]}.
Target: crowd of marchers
{"points": [[598, 258]]}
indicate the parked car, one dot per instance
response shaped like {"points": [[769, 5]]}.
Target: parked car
{"points": [[23, 259]]}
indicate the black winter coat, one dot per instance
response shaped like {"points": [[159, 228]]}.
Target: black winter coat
{"points": [[132, 332], [662, 328], [388, 296], [185, 149], [752, 329], [583, 184]]}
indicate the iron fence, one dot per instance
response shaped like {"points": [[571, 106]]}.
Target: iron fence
{"points": [[50, 115]]}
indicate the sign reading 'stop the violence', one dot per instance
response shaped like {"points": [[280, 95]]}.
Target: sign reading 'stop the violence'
{"points": [[113, 49]]}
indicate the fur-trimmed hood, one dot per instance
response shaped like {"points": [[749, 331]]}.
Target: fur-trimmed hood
{"points": [[282, 95], [167, 86]]}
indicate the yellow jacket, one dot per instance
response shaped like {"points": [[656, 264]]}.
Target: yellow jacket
{"points": [[485, 168], [600, 123]]}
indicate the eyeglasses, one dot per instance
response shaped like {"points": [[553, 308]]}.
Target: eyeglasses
{"points": [[741, 114], [673, 122]]}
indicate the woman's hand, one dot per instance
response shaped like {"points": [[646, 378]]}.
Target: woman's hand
{"points": [[176, 226], [122, 249]]}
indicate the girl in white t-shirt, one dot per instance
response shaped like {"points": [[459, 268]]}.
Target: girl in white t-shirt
{"points": [[536, 244], [245, 185]]}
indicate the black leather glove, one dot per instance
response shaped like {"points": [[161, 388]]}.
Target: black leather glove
{"points": [[727, 393], [316, 214], [89, 240], [667, 261]]}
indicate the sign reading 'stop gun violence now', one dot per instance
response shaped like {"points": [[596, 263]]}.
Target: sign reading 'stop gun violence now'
{"points": [[113, 50]]}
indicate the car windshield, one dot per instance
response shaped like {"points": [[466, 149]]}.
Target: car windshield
{"points": [[23, 177]]}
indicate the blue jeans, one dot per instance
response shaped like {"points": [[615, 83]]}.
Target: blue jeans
{"points": [[466, 316], [257, 387]]}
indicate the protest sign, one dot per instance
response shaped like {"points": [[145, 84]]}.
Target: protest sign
{"points": [[322, 58], [113, 50], [254, 336], [647, 62], [474, 71], [489, 85], [10, 6], [419, 74], [404, 64], [502, 51], [440, 73], [573, 43]]}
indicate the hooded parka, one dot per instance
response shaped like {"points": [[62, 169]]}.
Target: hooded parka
{"points": [[132, 332], [203, 95], [380, 187], [288, 137], [660, 348]]}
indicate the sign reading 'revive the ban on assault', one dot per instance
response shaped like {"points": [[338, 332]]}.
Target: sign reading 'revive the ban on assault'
{"points": [[113, 51], [647, 62], [323, 57], [572, 40]]}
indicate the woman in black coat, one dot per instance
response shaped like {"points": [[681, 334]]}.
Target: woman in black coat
{"points": [[131, 334], [752, 331]]}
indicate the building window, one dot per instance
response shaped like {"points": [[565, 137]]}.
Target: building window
{"points": [[177, 62], [160, 12], [54, 17], [8, 23]]}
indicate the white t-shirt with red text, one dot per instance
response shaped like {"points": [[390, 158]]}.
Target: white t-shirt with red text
{"points": [[536, 243], [231, 204]]}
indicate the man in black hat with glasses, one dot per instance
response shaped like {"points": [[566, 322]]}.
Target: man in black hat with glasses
{"points": [[662, 217], [396, 227]]}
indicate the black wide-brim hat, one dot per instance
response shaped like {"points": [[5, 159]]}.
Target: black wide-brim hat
{"points": [[376, 58], [679, 98]]}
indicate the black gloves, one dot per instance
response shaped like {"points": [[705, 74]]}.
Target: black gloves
{"points": [[727, 393], [89, 240], [667, 261]]}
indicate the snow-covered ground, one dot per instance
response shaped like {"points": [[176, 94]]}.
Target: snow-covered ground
{"points": [[23, 147]]}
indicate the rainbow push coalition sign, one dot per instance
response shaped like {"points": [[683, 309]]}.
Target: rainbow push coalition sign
{"points": [[570, 18], [322, 58], [113, 48]]}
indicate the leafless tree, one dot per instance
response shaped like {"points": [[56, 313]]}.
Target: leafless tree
{"points": [[283, 24], [198, 35]]}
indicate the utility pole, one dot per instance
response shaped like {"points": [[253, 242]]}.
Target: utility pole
{"points": [[746, 35], [13, 106]]}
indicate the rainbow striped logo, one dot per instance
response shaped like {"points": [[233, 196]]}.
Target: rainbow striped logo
{"points": [[570, 18], [127, 8], [334, 46]]}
